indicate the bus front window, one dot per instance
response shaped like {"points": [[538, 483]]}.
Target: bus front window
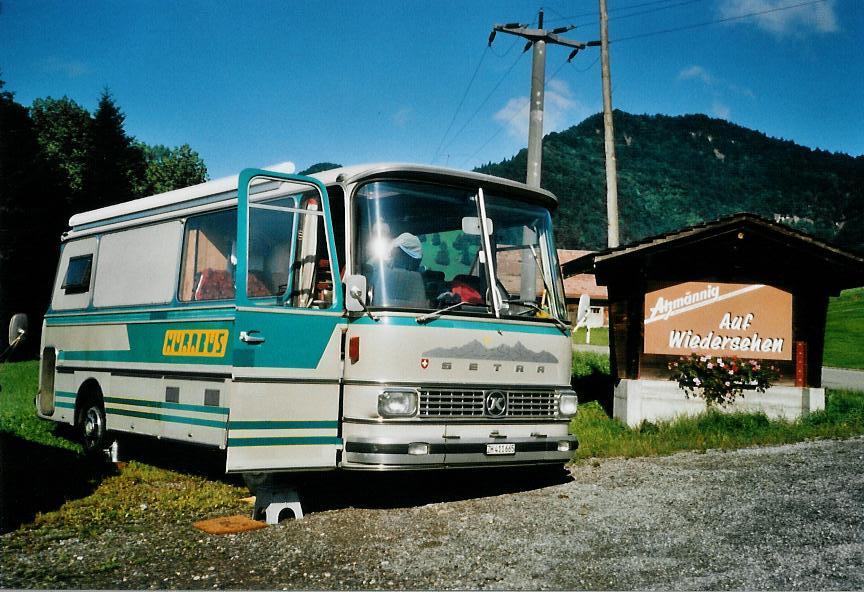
{"points": [[420, 248]]}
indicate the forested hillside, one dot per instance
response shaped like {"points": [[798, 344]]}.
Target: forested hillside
{"points": [[677, 171]]}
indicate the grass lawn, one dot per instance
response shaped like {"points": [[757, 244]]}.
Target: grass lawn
{"points": [[601, 436], [844, 330], [599, 336], [131, 498], [20, 383]]}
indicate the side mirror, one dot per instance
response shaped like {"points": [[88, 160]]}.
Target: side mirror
{"points": [[17, 333], [355, 290], [355, 300], [17, 328], [471, 225], [583, 310]]}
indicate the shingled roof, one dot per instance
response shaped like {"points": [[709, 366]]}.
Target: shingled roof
{"points": [[758, 242]]}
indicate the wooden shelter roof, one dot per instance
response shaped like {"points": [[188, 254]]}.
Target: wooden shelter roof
{"points": [[740, 247]]}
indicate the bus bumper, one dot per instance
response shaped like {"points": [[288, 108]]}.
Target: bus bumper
{"points": [[389, 447]]}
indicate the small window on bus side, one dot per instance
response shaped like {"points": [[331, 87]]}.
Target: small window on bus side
{"points": [[77, 279], [208, 265], [70, 291]]}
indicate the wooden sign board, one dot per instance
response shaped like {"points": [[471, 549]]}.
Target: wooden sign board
{"points": [[743, 320]]}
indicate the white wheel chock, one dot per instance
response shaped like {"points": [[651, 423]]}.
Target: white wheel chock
{"points": [[271, 503]]}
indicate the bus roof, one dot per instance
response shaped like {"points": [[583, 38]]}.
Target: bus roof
{"points": [[226, 189]]}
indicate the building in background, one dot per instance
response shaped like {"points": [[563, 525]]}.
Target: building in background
{"points": [[576, 284]]}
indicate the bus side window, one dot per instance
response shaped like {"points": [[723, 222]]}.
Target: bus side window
{"points": [[72, 289], [207, 267], [77, 280], [288, 254]]}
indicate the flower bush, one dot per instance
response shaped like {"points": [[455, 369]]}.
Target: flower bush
{"points": [[721, 380]]}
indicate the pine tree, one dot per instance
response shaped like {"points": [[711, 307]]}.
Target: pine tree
{"points": [[116, 166]]}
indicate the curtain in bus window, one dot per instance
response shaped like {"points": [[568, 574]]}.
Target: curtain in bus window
{"points": [[208, 260]]}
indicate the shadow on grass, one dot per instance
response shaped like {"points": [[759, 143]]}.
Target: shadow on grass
{"points": [[37, 478], [597, 386], [181, 457]]}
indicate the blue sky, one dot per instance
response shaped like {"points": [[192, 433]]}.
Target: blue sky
{"points": [[257, 82]]}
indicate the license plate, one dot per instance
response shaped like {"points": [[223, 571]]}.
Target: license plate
{"points": [[496, 449]]}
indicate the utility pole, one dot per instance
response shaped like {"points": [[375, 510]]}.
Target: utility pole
{"points": [[609, 135], [539, 38]]}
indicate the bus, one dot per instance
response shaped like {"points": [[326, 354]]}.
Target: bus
{"points": [[372, 317]]}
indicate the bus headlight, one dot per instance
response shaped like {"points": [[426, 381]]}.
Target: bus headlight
{"points": [[397, 403], [568, 403]]}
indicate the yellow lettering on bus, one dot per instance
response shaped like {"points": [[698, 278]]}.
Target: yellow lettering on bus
{"points": [[211, 343]]}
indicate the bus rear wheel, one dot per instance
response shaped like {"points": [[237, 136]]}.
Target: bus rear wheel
{"points": [[91, 427]]}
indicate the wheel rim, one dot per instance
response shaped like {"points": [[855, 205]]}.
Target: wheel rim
{"points": [[94, 427]]}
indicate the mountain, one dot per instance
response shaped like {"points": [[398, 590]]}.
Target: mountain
{"points": [[682, 170]]}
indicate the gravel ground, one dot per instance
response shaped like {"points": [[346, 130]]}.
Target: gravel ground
{"points": [[789, 517]]}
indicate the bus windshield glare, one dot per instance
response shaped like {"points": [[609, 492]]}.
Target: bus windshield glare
{"points": [[421, 247]]}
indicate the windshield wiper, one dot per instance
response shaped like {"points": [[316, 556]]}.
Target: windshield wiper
{"points": [[423, 319], [558, 322]]}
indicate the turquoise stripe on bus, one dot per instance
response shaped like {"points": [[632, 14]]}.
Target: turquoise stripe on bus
{"points": [[299, 441], [459, 324], [65, 395], [166, 405], [146, 342], [169, 418], [190, 312], [64, 405], [282, 425]]}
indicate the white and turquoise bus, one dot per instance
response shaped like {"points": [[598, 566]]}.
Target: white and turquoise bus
{"points": [[370, 317]]}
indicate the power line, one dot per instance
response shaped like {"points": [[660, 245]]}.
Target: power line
{"points": [[583, 70], [518, 113], [618, 9], [596, 21], [461, 102], [483, 103], [717, 21]]}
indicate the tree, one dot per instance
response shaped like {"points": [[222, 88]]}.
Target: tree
{"points": [[116, 165], [170, 168], [64, 131], [320, 167], [29, 221]]}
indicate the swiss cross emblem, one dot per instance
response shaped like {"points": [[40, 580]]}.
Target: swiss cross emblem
{"points": [[424, 363]]}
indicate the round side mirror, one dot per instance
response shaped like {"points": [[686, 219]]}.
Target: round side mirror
{"points": [[17, 328]]}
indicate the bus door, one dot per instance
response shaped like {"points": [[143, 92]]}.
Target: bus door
{"points": [[284, 408]]}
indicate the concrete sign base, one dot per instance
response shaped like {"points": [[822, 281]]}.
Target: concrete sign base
{"points": [[653, 400]]}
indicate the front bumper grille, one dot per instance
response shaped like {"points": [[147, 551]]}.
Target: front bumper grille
{"points": [[472, 403]]}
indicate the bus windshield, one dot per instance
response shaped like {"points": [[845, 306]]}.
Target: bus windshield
{"points": [[421, 247]]}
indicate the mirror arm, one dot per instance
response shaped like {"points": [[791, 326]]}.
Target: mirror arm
{"points": [[357, 295]]}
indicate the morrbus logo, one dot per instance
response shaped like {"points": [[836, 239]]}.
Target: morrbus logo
{"points": [[210, 343]]}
